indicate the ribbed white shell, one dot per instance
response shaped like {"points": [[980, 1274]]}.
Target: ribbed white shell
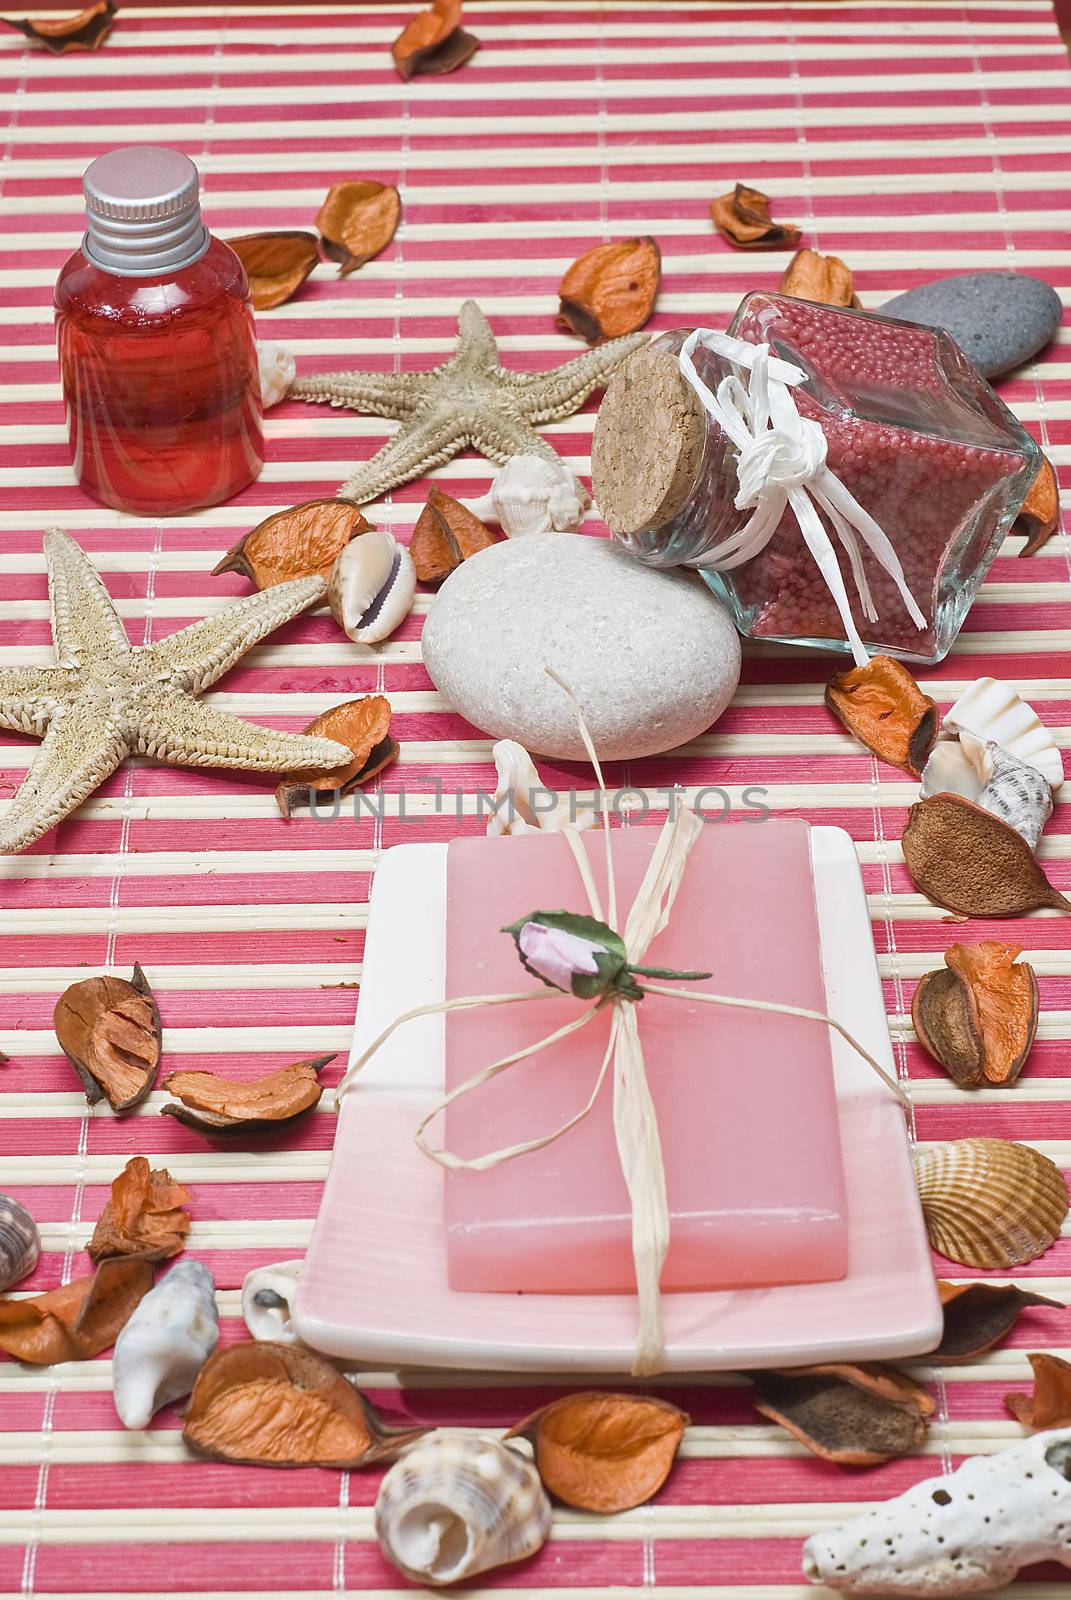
{"points": [[993, 711], [990, 1202], [531, 494]]}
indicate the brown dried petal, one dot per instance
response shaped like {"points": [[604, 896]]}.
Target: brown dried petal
{"points": [[604, 1452], [364, 726], [433, 42], [744, 218], [947, 1028], [1050, 1404], [276, 264], [144, 1216], [86, 31], [611, 290], [446, 534], [972, 863], [110, 1032], [79, 1320], [276, 1405], [1039, 514], [979, 1316], [301, 542], [823, 279], [215, 1105], [883, 706], [856, 1416], [358, 220]]}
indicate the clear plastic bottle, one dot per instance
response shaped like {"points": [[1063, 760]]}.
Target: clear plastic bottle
{"points": [[912, 429], [156, 344]]}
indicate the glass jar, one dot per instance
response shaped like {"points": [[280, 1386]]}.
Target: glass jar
{"points": [[913, 431], [157, 350]]}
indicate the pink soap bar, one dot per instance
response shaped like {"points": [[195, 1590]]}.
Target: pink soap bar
{"points": [[745, 1101]]}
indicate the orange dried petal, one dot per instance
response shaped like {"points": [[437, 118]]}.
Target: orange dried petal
{"points": [[212, 1104], [823, 279], [110, 1032], [144, 1215], [743, 217], [854, 1415], [433, 42], [1039, 514], [358, 219], [604, 1452], [1050, 1404], [882, 705], [979, 1316], [79, 1320], [611, 290], [301, 542], [276, 263], [85, 31], [1004, 993], [363, 725], [445, 535]]}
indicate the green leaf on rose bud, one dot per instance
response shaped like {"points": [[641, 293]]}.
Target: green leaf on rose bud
{"points": [[610, 955]]}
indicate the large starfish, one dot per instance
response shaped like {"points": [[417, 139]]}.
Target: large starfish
{"points": [[471, 400], [106, 699]]}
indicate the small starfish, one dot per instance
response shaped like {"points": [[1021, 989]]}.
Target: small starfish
{"points": [[106, 699], [470, 400]]}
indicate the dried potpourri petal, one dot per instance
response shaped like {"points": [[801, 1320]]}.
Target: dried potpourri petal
{"points": [[358, 220], [604, 1452], [215, 1105], [301, 542], [144, 1216], [363, 725], [85, 31], [611, 290], [978, 1017], [856, 1416], [110, 1032], [972, 863], [446, 534], [884, 708], [278, 1405], [979, 1316], [433, 42], [79, 1320], [276, 264], [1050, 1404], [744, 218], [824, 279], [1039, 514]]}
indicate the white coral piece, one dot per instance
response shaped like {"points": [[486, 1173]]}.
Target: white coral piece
{"points": [[531, 494], [169, 1337], [278, 369], [522, 804], [963, 1534]]}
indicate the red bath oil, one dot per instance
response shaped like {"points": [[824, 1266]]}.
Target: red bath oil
{"points": [[157, 351]]}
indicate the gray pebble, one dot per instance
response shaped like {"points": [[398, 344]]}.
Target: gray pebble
{"points": [[998, 319], [652, 655]]}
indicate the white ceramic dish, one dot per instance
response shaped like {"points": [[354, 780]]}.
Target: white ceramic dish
{"points": [[374, 1289]]}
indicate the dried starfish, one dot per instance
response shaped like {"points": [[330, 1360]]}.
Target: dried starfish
{"points": [[106, 698], [470, 400]]}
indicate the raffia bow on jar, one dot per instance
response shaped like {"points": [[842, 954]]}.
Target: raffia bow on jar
{"points": [[588, 957], [781, 464]]}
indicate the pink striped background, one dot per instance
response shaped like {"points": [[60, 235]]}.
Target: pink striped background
{"points": [[912, 139]]}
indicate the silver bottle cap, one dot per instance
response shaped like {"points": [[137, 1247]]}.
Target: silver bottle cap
{"points": [[142, 211]]}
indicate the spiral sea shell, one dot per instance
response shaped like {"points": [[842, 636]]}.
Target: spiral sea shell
{"points": [[267, 1299], [531, 494], [990, 1202], [20, 1243], [993, 712], [454, 1506], [1017, 793]]}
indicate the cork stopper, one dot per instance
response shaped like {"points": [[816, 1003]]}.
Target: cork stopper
{"points": [[649, 439]]}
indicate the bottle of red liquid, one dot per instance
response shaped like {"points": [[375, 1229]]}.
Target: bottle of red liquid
{"points": [[156, 344]]}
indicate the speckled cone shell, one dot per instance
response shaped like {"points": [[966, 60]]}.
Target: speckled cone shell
{"points": [[20, 1243], [990, 1202], [454, 1506]]}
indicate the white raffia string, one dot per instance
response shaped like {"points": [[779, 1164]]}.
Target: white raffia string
{"points": [[635, 1121], [781, 463]]}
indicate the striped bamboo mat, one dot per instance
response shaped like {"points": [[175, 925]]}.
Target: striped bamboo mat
{"points": [[910, 138]]}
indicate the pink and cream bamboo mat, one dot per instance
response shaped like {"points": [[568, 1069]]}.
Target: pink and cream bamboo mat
{"points": [[912, 139]]}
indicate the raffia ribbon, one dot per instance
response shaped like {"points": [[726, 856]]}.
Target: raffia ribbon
{"points": [[781, 462], [635, 1121]]}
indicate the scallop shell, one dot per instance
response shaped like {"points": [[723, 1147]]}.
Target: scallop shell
{"points": [[531, 494], [993, 712], [456, 1505], [169, 1337], [523, 804], [957, 766], [277, 368], [372, 588], [267, 1297], [990, 1202], [20, 1242], [1017, 793]]}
